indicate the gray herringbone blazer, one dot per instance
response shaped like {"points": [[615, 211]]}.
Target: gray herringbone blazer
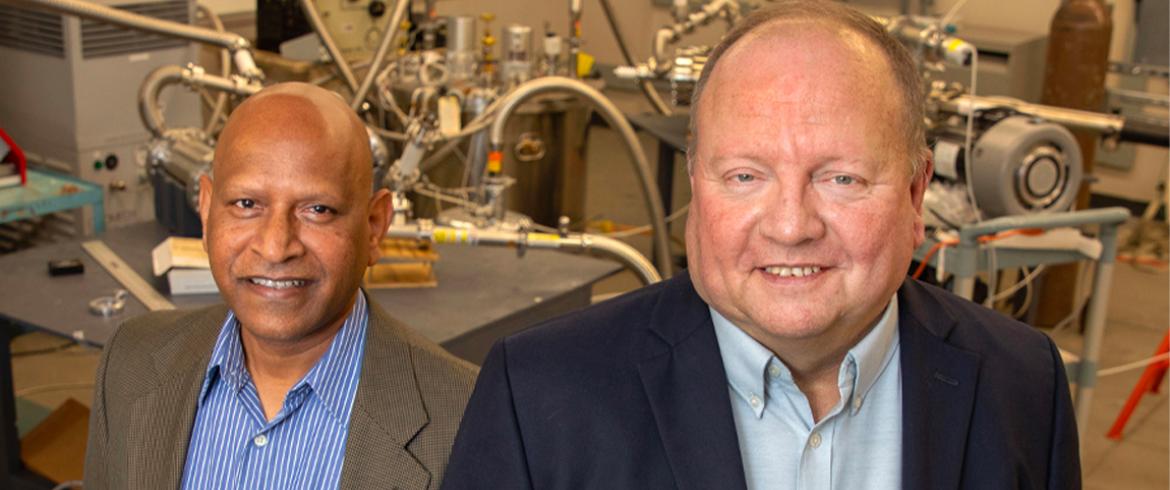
{"points": [[406, 411]]}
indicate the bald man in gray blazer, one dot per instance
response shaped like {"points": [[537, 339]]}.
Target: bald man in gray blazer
{"points": [[299, 381]]}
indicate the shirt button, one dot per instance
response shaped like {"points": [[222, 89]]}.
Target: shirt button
{"points": [[755, 401], [774, 371], [815, 440], [261, 440]]}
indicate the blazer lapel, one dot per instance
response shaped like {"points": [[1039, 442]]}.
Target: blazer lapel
{"points": [[682, 373], [938, 392], [164, 416], [388, 412]]}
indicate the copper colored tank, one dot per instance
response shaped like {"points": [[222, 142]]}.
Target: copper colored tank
{"points": [[1074, 77], [1078, 58]]}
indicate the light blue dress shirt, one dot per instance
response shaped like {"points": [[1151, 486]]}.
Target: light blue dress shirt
{"points": [[234, 446], [857, 445]]}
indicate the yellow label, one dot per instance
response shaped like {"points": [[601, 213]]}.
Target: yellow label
{"points": [[543, 237], [451, 236]]}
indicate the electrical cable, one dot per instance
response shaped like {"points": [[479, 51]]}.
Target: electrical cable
{"points": [[950, 15], [1029, 276], [992, 276], [1028, 293], [638, 230], [1163, 357], [969, 140], [1075, 314]]}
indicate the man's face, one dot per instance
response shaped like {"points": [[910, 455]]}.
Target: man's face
{"points": [[804, 214], [289, 223]]}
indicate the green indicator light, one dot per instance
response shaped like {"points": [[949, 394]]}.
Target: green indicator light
{"points": [[97, 164]]}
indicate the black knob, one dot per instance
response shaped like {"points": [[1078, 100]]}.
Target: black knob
{"points": [[112, 161], [377, 8]]}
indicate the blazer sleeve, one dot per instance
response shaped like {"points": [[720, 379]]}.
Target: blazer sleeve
{"points": [[1064, 457], [489, 449], [97, 446]]}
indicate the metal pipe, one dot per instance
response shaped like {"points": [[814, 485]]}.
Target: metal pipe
{"points": [[972, 232], [663, 37], [1106, 124], [627, 255], [318, 25], [383, 48], [1086, 374], [624, 253], [662, 62], [124, 18], [927, 40], [233, 42], [574, 36], [650, 194]]}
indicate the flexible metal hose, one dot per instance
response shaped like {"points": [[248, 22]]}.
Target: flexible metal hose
{"points": [[651, 197], [225, 63], [383, 48], [164, 76], [148, 92]]}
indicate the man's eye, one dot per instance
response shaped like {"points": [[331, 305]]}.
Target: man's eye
{"points": [[744, 178], [844, 180], [320, 209], [244, 203]]}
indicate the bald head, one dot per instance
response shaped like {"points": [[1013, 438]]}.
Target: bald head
{"points": [[298, 113], [289, 222]]}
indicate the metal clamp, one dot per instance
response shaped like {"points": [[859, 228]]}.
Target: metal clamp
{"points": [[108, 306]]}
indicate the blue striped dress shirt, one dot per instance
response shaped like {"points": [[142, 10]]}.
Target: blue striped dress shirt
{"points": [[233, 445], [858, 444]]}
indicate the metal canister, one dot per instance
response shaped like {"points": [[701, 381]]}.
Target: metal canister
{"points": [[517, 53], [461, 47]]}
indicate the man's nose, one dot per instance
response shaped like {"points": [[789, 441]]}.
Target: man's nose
{"points": [[792, 216], [278, 241]]}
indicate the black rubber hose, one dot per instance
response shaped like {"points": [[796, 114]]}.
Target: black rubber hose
{"points": [[1146, 133]]}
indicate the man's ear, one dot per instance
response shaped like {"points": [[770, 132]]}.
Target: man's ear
{"points": [[918, 184], [379, 220], [205, 184]]}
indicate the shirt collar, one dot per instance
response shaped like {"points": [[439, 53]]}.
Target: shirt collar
{"points": [[328, 378], [873, 353], [746, 361]]}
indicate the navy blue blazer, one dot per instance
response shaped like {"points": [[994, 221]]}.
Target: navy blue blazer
{"points": [[631, 393]]}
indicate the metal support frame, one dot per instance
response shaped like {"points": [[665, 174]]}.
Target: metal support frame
{"points": [[965, 264]]}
